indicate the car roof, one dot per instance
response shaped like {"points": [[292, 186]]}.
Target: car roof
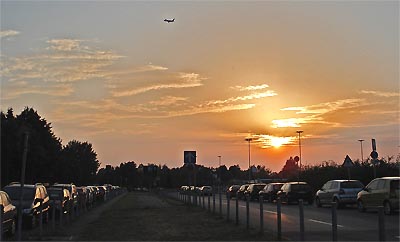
{"points": [[343, 180], [19, 185], [389, 178], [297, 183]]}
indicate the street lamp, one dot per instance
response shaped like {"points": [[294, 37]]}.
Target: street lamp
{"points": [[249, 140], [362, 156], [299, 132]]}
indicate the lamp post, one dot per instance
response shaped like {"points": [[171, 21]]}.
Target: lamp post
{"points": [[362, 155], [299, 132], [249, 140], [219, 169]]}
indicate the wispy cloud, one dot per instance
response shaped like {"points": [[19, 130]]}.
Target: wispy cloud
{"points": [[8, 33], [184, 80], [380, 94], [19, 90], [251, 88], [168, 100], [327, 106], [257, 95], [64, 60]]}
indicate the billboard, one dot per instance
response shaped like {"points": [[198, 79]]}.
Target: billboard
{"points": [[189, 157]]}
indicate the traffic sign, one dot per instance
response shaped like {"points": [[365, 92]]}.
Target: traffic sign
{"points": [[189, 157], [374, 154], [347, 162]]}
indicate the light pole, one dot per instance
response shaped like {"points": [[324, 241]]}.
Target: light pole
{"points": [[362, 156], [299, 132], [249, 140], [219, 169]]}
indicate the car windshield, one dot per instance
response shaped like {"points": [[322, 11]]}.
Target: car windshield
{"points": [[300, 187], [55, 194], [258, 187], [277, 186], [15, 192], [395, 185], [351, 184]]}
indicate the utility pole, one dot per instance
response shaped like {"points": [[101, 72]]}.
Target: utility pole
{"points": [[249, 140]]}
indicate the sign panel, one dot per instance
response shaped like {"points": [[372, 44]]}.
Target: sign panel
{"points": [[348, 162], [189, 157]]}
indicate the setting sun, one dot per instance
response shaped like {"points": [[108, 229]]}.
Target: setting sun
{"points": [[279, 141]]}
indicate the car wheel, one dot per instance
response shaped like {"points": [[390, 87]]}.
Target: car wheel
{"points": [[318, 202], [12, 229], [387, 208], [360, 206]]}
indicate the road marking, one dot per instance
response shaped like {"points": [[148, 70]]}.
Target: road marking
{"points": [[322, 222], [273, 212]]}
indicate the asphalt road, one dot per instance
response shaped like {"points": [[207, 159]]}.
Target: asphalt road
{"points": [[351, 224]]}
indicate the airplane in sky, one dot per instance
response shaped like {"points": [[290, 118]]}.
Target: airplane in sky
{"points": [[169, 20]]}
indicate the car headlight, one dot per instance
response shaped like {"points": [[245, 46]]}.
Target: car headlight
{"points": [[26, 210]]}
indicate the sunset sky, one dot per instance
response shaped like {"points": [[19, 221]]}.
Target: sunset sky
{"points": [[113, 73]]}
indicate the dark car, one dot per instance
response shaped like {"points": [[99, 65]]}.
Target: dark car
{"points": [[33, 196], [9, 215], [232, 190], [60, 199], [240, 192], [72, 192], [253, 190], [294, 191], [342, 192], [270, 190]]}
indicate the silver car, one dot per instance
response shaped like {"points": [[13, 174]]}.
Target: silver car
{"points": [[342, 192]]}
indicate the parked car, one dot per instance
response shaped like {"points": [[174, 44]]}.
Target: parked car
{"points": [[342, 192], [232, 190], [380, 192], [240, 192], [90, 196], [33, 195], [206, 190], [72, 192], [60, 199], [10, 214], [253, 190], [270, 190], [294, 191]]}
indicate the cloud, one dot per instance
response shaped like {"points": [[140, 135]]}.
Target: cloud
{"points": [[381, 94], [168, 100], [8, 33], [64, 44], [251, 88], [150, 67], [185, 80], [257, 95], [65, 60], [23, 88], [322, 108]]}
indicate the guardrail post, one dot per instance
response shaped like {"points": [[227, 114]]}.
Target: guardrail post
{"points": [[381, 221], [209, 204], [237, 210], [204, 203], [247, 211], [1, 222], [220, 203], [261, 199], [213, 203], [334, 222], [228, 205], [40, 220], [279, 218], [301, 213], [53, 214]]}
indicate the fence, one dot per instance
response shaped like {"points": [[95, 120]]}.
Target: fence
{"points": [[185, 196]]}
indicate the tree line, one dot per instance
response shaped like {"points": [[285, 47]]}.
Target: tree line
{"points": [[50, 161]]}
